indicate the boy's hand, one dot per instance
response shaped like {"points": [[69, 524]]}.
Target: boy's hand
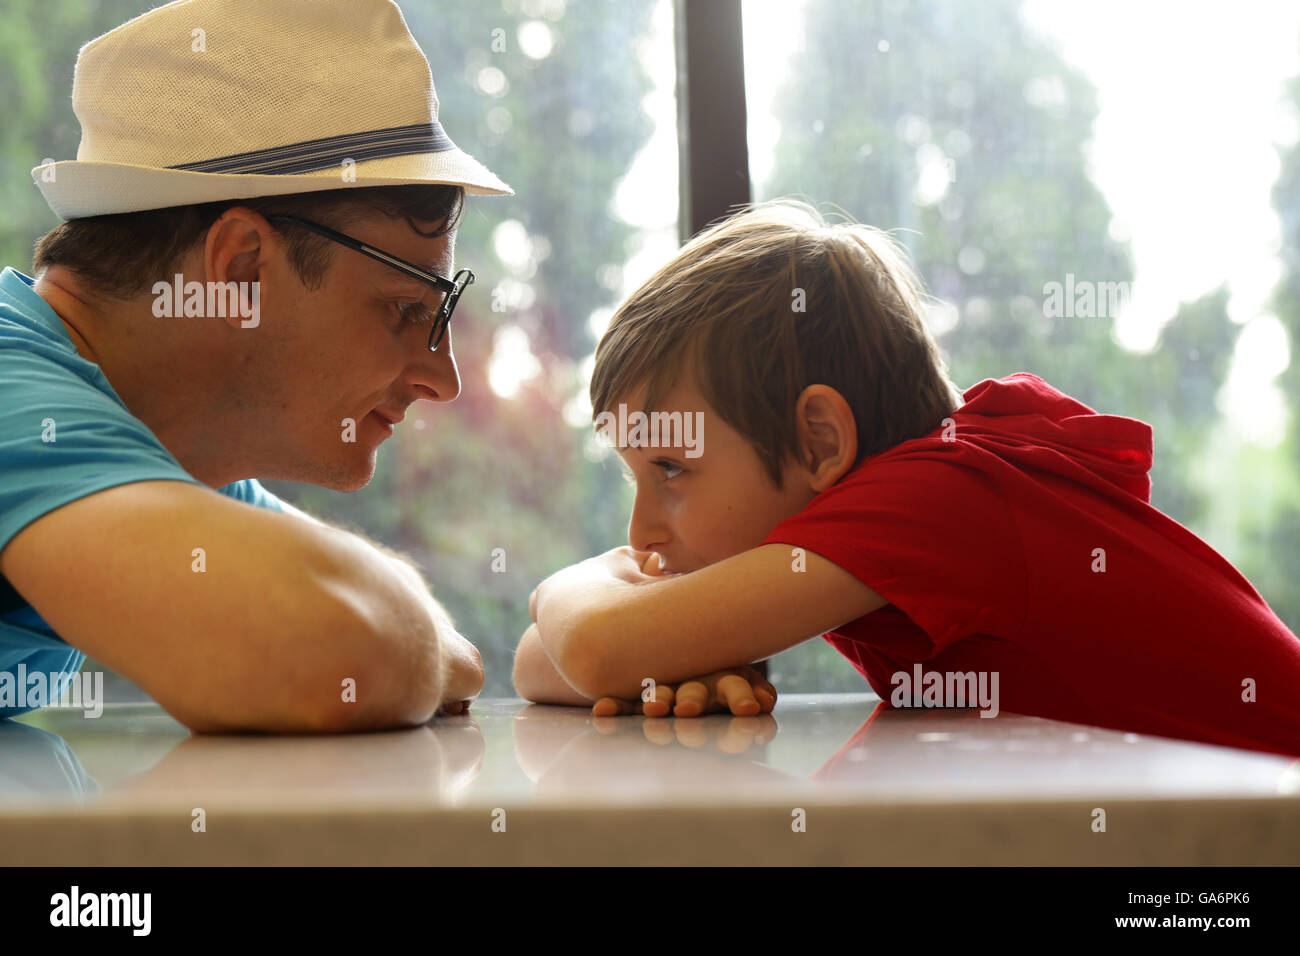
{"points": [[741, 690], [617, 564]]}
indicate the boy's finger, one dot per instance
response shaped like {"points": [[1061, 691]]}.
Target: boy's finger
{"points": [[692, 699], [612, 707], [662, 705], [735, 690], [766, 701], [757, 680]]}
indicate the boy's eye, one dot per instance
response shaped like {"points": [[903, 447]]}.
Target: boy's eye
{"points": [[666, 466]]}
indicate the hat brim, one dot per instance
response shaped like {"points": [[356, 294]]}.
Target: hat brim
{"points": [[76, 190]]}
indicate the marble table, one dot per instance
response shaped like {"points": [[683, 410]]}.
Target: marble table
{"points": [[825, 779]]}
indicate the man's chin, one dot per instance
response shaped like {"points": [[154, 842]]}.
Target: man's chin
{"points": [[355, 484], [338, 475]]}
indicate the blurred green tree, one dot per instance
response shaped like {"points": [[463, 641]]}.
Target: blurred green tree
{"points": [[1273, 561], [548, 94], [494, 492], [960, 127]]}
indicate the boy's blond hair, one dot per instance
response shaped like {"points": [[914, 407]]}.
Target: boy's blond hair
{"points": [[728, 305]]}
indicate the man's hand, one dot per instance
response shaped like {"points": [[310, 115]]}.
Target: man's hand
{"points": [[462, 664], [741, 690], [463, 674]]}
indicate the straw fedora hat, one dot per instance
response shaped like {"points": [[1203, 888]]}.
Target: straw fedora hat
{"points": [[204, 100]]}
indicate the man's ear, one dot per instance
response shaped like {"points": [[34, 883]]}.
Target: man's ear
{"points": [[827, 435], [235, 251]]}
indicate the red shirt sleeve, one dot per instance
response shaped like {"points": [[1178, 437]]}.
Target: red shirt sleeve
{"points": [[927, 530]]}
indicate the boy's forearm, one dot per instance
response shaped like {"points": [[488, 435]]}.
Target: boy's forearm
{"points": [[608, 627], [536, 677], [605, 642]]}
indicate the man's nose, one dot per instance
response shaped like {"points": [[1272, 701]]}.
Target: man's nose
{"points": [[435, 373]]}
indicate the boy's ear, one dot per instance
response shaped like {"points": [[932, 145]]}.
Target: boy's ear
{"points": [[827, 435]]}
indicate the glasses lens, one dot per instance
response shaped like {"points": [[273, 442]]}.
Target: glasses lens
{"points": [[436, 333], [463, 278]]}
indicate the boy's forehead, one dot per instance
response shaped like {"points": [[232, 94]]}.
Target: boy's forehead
{"points": [[683, 402], [682, 397]]}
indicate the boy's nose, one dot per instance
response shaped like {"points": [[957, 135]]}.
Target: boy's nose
{"points": [[646, 530]]}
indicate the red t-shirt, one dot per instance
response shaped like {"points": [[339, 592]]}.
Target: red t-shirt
{"points": [[1020, 540]]}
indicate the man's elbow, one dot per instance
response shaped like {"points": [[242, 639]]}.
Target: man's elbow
{"points": [[363, 682], [399, 692]]}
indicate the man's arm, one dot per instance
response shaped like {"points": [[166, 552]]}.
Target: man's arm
{"points": [[264, 635], [607, 626], [464, 675]]}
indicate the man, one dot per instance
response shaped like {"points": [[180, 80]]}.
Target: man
{"points": [[255, 281]]}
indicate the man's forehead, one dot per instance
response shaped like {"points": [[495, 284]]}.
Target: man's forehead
{"points": [[438, 261]]}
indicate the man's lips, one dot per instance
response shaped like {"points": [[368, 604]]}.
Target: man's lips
{"points": [[385, 419]]}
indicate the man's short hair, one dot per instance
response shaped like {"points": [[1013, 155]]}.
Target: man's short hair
{"points": [[764, 304], [122, 255]]}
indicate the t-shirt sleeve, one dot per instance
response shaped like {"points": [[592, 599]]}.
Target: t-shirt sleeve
{"points": [[929, 534], [63, 437], [250, 491]]}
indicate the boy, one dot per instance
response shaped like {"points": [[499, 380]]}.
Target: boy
{"points": [[843, 487]]}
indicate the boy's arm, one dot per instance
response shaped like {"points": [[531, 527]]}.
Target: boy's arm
{"points": [[536, 678], [606, 625]]}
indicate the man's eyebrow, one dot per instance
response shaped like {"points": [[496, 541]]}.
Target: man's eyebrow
{"points": [[407, 286], [397, 277]]}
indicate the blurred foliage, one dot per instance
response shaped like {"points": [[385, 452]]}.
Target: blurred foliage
{"points": [[967, 84], [487, 472], [490, 472], [1272, 549], [970, 90]]}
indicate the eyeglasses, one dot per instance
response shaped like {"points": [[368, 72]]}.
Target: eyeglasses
{"points": [[451, 288]]}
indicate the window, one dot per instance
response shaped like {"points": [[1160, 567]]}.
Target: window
{"points": [[1031, 148], [1149, 152]]}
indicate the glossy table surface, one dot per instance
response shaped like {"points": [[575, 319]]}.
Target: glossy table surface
{"points": [[825, 778]]}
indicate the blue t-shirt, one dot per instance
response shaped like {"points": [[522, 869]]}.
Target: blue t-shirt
{"points": [[64, 434]]}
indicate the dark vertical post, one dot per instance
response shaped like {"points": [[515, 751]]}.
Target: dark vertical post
{"points": [[711, 133]]}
